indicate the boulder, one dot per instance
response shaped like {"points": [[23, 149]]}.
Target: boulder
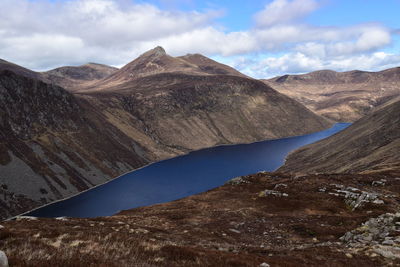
{"points": [[3, 259]]}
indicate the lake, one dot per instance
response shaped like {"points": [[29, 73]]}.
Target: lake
{"points": [[182, 176]]}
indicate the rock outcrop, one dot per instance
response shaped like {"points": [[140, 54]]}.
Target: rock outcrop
{"points": [[3, 259]]}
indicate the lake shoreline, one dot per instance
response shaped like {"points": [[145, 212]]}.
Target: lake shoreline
{"points": [[167, 159]]}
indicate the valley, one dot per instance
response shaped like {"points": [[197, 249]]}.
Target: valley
{"points": [[106, 122]]}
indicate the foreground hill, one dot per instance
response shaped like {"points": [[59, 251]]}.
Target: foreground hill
{"points": [[340, 96], [266, 218], [370, 144], [57, 142]]}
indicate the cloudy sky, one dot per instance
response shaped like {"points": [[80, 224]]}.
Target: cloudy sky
{"points": [[260, 38]]}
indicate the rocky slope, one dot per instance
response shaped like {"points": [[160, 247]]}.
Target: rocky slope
{"points": [[266, 219], [340, 96], [372, 143], [60, 142]]}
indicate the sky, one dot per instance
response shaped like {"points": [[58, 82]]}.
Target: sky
{"points": [[263, 39]]}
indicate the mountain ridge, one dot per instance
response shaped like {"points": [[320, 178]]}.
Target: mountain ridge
{"points": [[340, 96]]}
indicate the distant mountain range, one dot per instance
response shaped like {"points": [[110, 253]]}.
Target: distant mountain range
{"points": [[340, 96], [69, 129]]}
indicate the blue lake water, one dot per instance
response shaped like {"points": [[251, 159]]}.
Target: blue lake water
{"points": [[182, 176]]}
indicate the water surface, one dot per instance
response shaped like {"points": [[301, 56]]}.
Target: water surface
{"points": [[182, 176]]}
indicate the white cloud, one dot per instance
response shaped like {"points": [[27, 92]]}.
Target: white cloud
{"points": [[102, 26], [284, 11], [296, 62]]}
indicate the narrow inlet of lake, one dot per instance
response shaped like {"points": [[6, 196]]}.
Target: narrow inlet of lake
{"points": [[180, 177]]}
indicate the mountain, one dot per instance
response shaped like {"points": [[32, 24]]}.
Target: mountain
{"points": [[72, 77], [59, 142], [157, 61], [54, 145], [185, 103], [340, 96], [68, 77], [371, 144], [5, 65]]}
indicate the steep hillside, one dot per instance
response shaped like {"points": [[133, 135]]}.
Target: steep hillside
{"points": [[53, 145], [340, 96], [370, 144]]}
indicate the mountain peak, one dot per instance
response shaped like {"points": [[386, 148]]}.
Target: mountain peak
{"points": [[157, 52]]}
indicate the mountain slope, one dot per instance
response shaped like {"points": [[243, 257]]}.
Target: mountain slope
{"points": [[52, 145], [340, 96], [370, 144], [5, 65], [73, 77], [187, 105]]}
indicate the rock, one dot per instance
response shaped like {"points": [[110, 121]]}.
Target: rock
{"points": [[235, 231], [3, 259], [237, 181], [272, 193], [388, 252], [1, 227], [280, 185], [381, 182], [264, 264], [61, 218], [348, 255], [29, 218], [378, 201], [388, 242]]}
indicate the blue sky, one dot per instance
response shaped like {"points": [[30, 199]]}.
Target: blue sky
{"points": [[261, 38]]}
